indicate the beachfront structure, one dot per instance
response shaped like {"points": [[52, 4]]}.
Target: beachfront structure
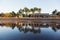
{"points": [[40, 15], [45, 15], [54, 16]]}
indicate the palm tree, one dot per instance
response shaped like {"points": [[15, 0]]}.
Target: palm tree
{"points": [[32, 10], [19, 13], [21, 10], [54, 12], [13, 14], [39, 10], [26, 10], [35, 9]]}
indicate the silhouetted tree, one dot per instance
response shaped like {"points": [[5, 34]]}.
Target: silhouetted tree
{"points": [[54, 12]]}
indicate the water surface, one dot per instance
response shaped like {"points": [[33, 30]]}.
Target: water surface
{"points": [[29, 31]]}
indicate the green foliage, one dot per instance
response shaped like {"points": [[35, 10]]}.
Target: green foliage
{"points": [[32, 10], [58, 13], [35, 9], [26, 10], [13, 14], [54, 12], [39, 10], [21, 12]]}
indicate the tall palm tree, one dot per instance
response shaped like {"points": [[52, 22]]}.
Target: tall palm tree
{"points": [[39, 10], [32, 10], [35, 9], [19, 13], [54, 12], [26, 10], [13, 14], [21, 10]]}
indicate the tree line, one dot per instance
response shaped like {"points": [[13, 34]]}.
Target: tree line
{"points": [[25, 12]]}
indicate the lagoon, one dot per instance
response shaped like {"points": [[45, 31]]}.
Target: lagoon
{"points": [[29, 31]]}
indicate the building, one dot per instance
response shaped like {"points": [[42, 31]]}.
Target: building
{"points": [[40, 15], [45, 15], [54, 16]]}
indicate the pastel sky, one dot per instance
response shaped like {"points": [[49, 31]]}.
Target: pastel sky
{"points": [[47, 6]]}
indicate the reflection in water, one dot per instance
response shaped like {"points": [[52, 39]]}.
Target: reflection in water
{"points": [[31, 27], [29, 31]]}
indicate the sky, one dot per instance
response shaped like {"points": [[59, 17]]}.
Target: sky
{"points": [[47, 6]]}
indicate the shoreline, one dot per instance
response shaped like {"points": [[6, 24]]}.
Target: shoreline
{"points": [[27, 18]]}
